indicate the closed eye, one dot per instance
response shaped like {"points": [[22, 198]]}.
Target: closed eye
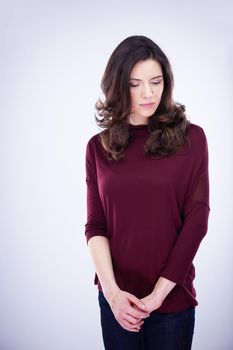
{"points": [[133, 85], [156, 82], [153, 82]]}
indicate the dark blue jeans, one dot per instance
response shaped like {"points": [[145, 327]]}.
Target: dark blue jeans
{"points": [[160, 331]]}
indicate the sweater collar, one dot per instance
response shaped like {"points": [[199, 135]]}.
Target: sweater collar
{"points": [[138, 127]]}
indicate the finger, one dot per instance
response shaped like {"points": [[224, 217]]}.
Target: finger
{"points": [[134, 320], [137, 313], [126, 326], [130, 326], [129, 329], [137, 302]]}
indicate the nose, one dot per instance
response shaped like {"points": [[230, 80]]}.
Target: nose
{"points": [[147, 91]]}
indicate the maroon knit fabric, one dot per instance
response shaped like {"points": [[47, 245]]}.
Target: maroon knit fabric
{"points": [[153, 211]]}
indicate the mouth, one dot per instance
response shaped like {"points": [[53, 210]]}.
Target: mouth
{"points": [[147, 105]]}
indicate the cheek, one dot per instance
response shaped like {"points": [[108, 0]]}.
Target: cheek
{"points": [[159, 94], [133, 98]]}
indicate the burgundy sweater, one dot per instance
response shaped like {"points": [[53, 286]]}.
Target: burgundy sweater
{"points": [[153, 211]]}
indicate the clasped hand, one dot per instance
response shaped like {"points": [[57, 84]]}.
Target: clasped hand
{"points": [[130, 311]]}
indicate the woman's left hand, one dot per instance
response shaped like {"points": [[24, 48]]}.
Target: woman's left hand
{"points": [[152, 302], [155, 299]]}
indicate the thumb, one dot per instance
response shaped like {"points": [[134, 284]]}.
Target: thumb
{"points": [[137, 302]]}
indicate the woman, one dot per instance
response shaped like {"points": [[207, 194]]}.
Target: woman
{"points": [[147, 203]]}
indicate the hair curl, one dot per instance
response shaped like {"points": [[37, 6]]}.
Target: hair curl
{"points": [[167, 126]]}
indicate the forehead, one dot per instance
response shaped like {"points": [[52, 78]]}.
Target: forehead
{"points": [[146, 69]]}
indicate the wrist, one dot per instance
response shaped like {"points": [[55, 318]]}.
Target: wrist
{"points": [[162, 288], [110, 293], [158, 296]]}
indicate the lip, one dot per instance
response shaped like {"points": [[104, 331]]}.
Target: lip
{"points": [[147, 104]]}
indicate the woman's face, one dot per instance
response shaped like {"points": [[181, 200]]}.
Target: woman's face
{"points": [[146, 87]]}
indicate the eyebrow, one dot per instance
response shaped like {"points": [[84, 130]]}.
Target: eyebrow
{"points": [[158, 76]]}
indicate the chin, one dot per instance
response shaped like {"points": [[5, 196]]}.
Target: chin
{"points": [[148, 116]]}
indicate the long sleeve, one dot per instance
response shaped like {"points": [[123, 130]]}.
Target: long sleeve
{"points": [[195, 215], [154, 213], [96, 221]]}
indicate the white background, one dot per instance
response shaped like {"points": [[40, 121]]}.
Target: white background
{"points": [[53, 55]]}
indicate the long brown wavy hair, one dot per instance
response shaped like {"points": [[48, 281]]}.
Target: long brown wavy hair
{"points": [[167, 126]]}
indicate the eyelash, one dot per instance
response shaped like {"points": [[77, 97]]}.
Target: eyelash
{"points": [[154, 83]]}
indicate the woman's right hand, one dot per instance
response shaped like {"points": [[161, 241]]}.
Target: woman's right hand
{"points": [[122, 305]]}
